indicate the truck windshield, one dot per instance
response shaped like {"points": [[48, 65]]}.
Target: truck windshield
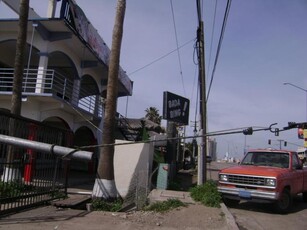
{"points": [[279, 160]]}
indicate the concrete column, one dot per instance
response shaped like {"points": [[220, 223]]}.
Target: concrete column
{"points": [[51, 8], [41, 73]]}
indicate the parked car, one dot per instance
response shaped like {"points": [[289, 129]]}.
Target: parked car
{"points": [[267, 176]]}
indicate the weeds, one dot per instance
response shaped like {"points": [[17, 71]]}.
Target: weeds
{"points": [[163, 206], [12, 189], [103, 205], [207, 194]]}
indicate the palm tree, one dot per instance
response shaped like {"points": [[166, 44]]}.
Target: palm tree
{"points": [[152, 114], [11, 172], [105, 187]]}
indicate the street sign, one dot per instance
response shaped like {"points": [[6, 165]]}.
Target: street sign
{"points": [[176, 108]]}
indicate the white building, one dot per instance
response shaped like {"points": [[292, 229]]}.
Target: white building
{"points": [[212, 145], [65, 76]]}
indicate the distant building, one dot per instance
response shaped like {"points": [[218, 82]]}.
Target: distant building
{"points": [[212, 146]]}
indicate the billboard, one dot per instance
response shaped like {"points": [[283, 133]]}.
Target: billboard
{"points": [[176, 108], [75, 16]]}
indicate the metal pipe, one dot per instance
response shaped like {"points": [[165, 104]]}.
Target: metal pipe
{"points": [[47, 148]]}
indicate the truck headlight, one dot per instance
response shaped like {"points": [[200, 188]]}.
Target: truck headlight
{"points": [[270, 182], [223, 177]]}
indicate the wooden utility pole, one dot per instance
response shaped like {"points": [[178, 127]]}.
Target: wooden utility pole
{"points": [[202, 171], [105, 187]]}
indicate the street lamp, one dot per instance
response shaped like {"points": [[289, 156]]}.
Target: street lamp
{"points": [[300, 88]]}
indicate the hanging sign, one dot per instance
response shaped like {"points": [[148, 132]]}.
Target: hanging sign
{"points": [[176, 108]]}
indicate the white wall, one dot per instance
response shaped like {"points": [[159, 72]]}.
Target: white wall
{"points": [[130, 160]]}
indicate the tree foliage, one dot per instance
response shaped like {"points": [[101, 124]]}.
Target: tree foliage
{"points": [[152, 114]]}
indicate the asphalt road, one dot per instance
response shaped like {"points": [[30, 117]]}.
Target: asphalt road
{"points": [[253, 216]]}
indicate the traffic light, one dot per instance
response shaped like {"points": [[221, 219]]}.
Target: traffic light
{"points": [[269, 141], [291, 125], [276, 132], [248, 131]]}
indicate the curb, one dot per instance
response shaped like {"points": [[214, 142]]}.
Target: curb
{"points": [[231, 222]]}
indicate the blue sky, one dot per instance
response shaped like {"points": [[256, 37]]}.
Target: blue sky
{"points": [[264, 46]]}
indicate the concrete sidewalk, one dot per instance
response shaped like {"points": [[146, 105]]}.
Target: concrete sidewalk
{"points": [[51, 217]]}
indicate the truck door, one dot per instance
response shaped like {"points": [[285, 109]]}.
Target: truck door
{"points": [[298, 176]]}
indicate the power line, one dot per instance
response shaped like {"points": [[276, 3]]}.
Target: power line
{"points": [[216, 133], [158, 59], [219, 44], [212, 34], [178, 53]]}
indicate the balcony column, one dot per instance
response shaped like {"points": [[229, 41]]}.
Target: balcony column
{"points": [[41, 73]]}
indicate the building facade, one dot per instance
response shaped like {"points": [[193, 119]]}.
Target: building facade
{"points": [[65, 72]]}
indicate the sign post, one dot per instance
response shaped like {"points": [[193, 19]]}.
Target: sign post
{"points": [[175, 111]]}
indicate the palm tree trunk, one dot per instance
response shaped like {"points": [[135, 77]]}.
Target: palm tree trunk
{"points": [[10, 172], [105, 187]]}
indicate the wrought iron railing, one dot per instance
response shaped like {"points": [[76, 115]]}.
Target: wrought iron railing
{"points": [[49, 82], [27, 177]]}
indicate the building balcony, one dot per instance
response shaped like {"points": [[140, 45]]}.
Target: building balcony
{"points": [[53, 85]]}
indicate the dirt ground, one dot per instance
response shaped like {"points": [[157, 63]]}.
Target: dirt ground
{"points": [[195, 216], [192, 217]]}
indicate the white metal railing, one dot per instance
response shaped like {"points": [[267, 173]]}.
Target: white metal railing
{"points": [[49, 82]]}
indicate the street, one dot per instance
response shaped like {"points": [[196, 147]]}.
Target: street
{"points": [[256, 216], [261, 216]]}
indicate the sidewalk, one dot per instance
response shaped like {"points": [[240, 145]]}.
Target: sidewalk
{"points": [[195, 216], [49, 217]]}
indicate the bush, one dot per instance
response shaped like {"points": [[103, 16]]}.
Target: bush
{"points": [[175, 185], [207, 194], [163, 206], [103, 205], [12, 189]]}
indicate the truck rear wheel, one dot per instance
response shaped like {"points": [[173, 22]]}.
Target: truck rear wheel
{"points": [[283, 205], [305, 197]]}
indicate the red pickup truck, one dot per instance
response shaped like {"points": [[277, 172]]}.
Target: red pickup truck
{"points": [[265, 175]]}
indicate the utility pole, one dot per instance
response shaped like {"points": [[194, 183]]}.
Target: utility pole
{"points": [[202, 171], [194, 142]]}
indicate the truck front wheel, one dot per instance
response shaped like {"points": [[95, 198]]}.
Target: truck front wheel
{"points": [[284, 203], [230, 202]]}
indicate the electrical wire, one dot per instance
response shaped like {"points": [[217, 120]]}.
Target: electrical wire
{"points": [[216, 133], [219, 45], [178, 53], [212, 34], [158, 59]]}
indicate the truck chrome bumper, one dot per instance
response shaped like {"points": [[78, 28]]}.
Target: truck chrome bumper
{"points": [[248, 193]]}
